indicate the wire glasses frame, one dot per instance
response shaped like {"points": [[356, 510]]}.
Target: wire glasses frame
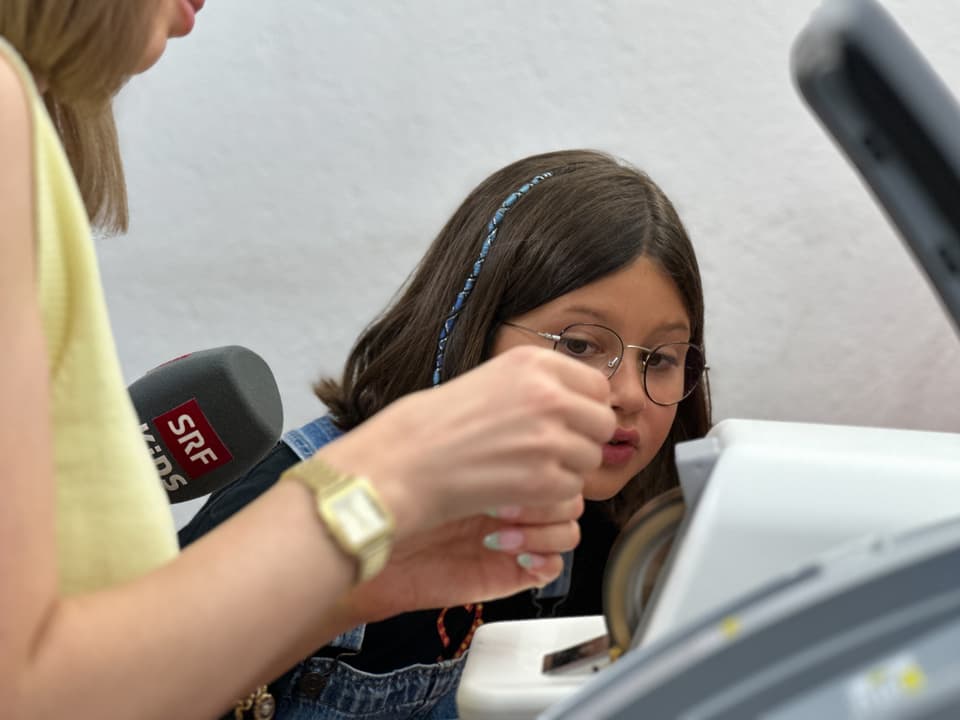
{"points": [[670, 372]]}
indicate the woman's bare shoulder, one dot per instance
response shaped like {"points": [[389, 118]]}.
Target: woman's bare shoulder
{"points": [[16, 196], [14, 103]]}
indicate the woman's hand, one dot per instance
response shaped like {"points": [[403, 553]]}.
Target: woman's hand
{"points": [[454, 563], [521, 430]]}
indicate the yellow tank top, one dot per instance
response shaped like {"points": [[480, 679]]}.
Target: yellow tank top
{"points": [[113, 518]]}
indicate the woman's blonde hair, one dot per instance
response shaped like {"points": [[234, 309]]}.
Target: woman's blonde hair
{"points": [[81, 52]]}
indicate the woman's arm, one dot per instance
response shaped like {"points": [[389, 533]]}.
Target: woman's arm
{"points": [[180, 642]]}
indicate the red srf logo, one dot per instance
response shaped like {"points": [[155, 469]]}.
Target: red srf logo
{"points": [[191, 440]]}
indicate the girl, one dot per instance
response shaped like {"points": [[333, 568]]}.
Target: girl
{"points": [[99, 615], [572, 251]]}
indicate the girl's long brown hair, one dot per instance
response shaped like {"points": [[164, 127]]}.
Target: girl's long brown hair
{"points": [[595, 216]]}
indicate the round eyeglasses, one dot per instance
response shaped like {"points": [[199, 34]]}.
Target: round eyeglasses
{"points": [[670, 372]]}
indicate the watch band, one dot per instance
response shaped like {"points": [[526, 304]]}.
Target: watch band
{"points": [[352, 512]]}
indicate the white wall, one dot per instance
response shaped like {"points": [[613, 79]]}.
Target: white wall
{"points": [[289, 163]]}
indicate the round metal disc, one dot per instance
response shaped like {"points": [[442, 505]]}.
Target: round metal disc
{"points": [[635, 562]]}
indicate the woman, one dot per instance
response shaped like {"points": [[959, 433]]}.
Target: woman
{"points": [[100, 616]]}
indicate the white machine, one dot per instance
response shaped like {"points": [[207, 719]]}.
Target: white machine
{"points": [[766, 498], [870, 632], [782, 494]]}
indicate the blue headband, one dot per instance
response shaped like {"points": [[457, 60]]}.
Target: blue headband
{"points": [[462, 296]]}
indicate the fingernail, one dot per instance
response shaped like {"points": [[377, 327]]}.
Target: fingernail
{"points": [[529, 561], [507, 512], [504, 540]]}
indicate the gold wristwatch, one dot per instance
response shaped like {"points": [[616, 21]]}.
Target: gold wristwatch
{"points": [[352, 512]]}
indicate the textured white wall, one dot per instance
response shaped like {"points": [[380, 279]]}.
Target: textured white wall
{"points": [[290, 162]]}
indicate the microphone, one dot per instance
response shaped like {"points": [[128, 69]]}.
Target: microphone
{"points": [[207, 418]]}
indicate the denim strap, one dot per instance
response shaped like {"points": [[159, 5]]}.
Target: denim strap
{"points": [[306, 440], [561, 586]]}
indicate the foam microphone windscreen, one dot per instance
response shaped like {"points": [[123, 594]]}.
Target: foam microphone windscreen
{"points": [[207, 418]]}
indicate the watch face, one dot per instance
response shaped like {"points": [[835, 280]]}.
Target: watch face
{"points": [[359, 516]]}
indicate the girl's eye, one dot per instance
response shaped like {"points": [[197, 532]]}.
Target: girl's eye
{"points": [[580, 347], [662, 360], [576, 347]]}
